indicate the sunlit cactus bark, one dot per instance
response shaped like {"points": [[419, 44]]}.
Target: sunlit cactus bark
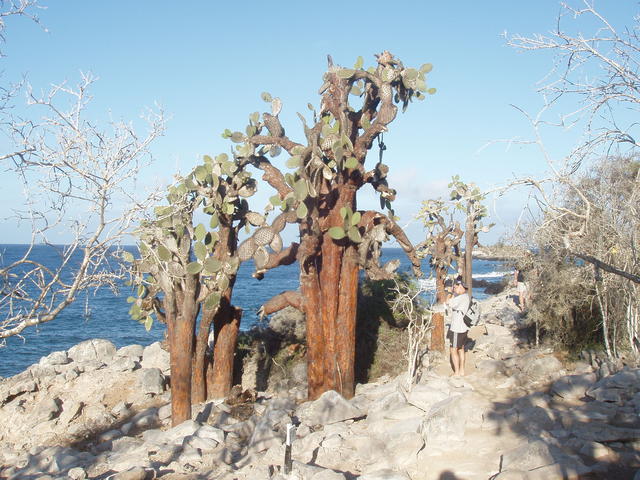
{"points": [[320, 195]]}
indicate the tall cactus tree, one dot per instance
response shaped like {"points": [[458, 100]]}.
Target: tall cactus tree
{"points": [[188, 270], [336, 240], [469, 198], [443, 246]]}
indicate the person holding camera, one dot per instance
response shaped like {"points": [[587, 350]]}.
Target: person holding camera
{"points": [[457, 306]]}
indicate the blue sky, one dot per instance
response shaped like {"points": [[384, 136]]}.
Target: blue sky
{"points": [[206, 63]]}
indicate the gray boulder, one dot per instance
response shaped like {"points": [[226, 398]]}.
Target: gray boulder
{"points": [[271, 427], [134, 352], [151, 381], [528, 456], [489, 368], [328, 475], [207, 431], [202, 444], [290, 324], [511, 475], [77, 473], [376, 407], [146, 418], [124, 364], [71, 409], [190, 456], [176, 434], [48, 409], [154, 356], [543, 368], [604, 393], [55, 358], [135, 473], [573, 386], [426, 396], [330, 407], [444, 422], [95, 350], [10, 390], [603, 433]]}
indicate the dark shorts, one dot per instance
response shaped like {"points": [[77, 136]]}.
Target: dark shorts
{"points": [[457, 339]]}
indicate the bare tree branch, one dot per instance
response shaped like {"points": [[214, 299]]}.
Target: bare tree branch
{"points": [[80, 178]]}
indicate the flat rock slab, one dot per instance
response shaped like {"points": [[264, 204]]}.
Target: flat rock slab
{"points": [[528, 456], [603, 433], [425, 396], [573, 386], [330, 408], [384, 475]]}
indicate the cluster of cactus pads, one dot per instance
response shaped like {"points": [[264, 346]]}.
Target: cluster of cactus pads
{"points": [[180, 258]]}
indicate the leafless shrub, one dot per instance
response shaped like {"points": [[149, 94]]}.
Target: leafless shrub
{"points": [[408, 304], [589, 201], [79, 179]]}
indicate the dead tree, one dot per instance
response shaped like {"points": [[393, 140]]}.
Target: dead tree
{"points": [[80, 178]]}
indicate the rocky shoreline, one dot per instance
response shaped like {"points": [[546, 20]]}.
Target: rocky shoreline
{"points": [[99, 412]]}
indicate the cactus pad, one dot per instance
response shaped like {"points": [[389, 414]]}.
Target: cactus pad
{"points": [[263, 236], [246, 249]]}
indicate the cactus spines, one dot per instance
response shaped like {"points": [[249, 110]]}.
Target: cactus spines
{"points": [[246, 249], [263, 236], [279, 223]]}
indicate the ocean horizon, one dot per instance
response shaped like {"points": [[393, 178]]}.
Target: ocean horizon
{"points": [[103, 314]]}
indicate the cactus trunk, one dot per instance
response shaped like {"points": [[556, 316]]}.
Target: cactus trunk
{"points": [[330, 289], [199, 387], [181, 339], [226, 327]]}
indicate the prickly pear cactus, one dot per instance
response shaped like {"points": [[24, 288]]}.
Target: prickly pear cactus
{"points": [[173, 247]]}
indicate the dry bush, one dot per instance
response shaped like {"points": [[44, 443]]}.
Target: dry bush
{"points": [[580, 301], [391, 320]]}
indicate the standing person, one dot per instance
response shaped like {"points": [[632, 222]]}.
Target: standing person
{"points": [[457, 334], [523, 288]]}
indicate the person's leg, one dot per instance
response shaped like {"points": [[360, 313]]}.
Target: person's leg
{"points": [[520, 297], [461, 360], [455, 361]]}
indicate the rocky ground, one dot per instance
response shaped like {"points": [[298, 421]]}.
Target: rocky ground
{"points": [[519, 413]]}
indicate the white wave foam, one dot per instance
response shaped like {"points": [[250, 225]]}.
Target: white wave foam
{"points": [[492, 275]]}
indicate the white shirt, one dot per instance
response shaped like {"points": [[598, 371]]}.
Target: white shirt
{"points": [[458, 306]]}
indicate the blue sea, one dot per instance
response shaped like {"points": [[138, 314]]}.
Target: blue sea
{"points": [[103, 314]]}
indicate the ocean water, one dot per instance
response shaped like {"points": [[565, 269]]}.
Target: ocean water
{"points": [[103, 314]]}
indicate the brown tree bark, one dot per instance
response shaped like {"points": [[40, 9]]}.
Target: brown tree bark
{"points": [[226, 327], [310, 290], [329, 297], [346, 322], [199, 386], [181, 340]]}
